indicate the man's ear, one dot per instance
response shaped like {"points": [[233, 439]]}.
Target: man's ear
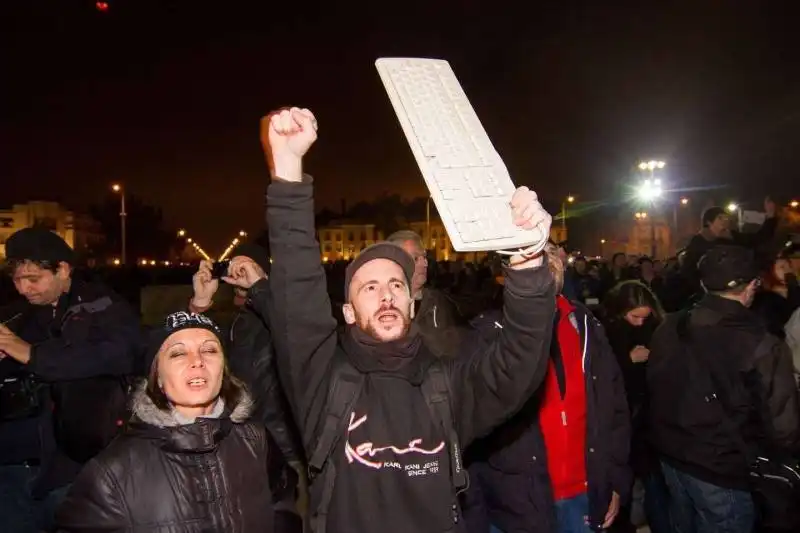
{"points": [[349, 313], [64, 270]]}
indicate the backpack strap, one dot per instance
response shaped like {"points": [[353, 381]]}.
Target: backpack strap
{"points": [[345, 388], [436, 390]]}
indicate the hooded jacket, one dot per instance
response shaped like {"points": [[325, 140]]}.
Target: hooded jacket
{"points": [[159, 476]]}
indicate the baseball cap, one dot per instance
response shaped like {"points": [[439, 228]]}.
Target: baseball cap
{"points": [[726, 267]]}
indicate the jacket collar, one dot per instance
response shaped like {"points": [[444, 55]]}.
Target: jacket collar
{"points": [[203, 435]]}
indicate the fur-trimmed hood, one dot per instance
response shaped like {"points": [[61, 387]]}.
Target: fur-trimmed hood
{"points": [[145, 410]]}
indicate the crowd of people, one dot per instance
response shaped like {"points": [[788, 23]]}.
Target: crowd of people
{"points": [[569, 396]]}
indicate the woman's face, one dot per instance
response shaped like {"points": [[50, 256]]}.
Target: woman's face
{"points": [[637, 317], [190, 369], [782, 267]]}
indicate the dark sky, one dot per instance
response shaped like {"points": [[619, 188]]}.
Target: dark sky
{"points": [[166, 96]]}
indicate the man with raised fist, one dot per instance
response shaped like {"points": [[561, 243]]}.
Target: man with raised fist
{"points": [[383, 420]]}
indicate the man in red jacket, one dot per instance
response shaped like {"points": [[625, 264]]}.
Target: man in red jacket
{"points": [[561, 464]]}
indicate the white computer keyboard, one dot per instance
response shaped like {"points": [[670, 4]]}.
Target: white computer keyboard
{"points": [[467, 179]]}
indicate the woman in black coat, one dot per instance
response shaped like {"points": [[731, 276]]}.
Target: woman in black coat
{"points": [[631, 314], [189, 461]]}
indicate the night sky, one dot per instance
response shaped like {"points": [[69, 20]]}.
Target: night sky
{"points": [[166, 96]]}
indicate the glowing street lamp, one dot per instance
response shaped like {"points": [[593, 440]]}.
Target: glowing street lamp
{"points": [[568, 200], [794, 204], [732, 207], [650, 190], [117, 188], [651, 165]]}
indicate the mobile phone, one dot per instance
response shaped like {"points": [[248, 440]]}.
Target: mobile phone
{"points": [[220, 269]]}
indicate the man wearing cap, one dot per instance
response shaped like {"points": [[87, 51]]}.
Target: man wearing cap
{"points": [[717, 379], [391, 466], [63, 358], [716, 230]]}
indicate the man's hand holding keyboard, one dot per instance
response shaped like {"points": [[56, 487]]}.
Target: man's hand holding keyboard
{"points": [[529, 214], [286, 136]]}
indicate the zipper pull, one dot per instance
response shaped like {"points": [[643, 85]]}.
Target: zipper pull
{"points": [[564, 417]]}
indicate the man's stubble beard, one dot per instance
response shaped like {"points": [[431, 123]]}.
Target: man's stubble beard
{"points": [[367, 327]]}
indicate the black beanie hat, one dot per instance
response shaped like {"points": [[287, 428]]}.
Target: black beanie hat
{"points": [[177, 322], [711, 214], [255, 252], [40, 245]]}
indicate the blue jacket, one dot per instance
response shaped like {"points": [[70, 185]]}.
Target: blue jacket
{"points": [[510, 486]]}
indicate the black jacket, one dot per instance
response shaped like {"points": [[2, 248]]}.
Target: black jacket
{"points": [[251, 358], [704, 241], [510, 485], [439, 322], [91, 336], [622, 338], [775, 310], [392, 464], [158, 476], [757, 394]]}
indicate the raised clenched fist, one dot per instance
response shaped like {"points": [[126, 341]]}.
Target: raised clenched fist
{"points": [[286, 136]]}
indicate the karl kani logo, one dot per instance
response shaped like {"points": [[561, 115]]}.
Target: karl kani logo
{"points": [[365, 451]]}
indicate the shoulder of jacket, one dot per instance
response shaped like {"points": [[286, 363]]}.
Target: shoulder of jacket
{"points": [[252, 431], [123, 458], [768, 345]]}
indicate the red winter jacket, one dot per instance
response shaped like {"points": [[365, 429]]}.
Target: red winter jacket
{"points": [[563, 412]]}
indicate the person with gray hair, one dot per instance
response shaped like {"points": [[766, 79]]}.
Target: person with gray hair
{"points": [[435, 313]]}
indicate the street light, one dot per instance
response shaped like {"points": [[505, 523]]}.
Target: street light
{"points": [[732, 207], [684, 201], [568, 200], [117, 188], [651, 165], [794, 204], [649, 191]]}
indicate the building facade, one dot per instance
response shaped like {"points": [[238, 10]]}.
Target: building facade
{"points": [[82, 233], [343, 240]]}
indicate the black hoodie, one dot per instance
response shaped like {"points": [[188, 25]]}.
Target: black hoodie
{"points": [[392, 465]]}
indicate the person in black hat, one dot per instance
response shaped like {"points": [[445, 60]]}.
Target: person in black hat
{"points": [[189, 458], [382, 418], [716, 230], [718, 379], [64, 359]]}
